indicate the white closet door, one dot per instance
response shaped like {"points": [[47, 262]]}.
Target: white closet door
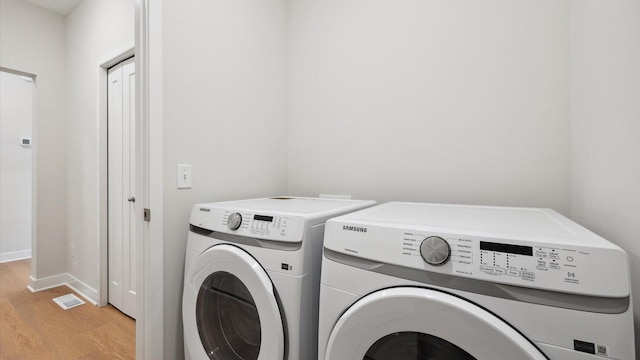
{"points": [[123, 209]]}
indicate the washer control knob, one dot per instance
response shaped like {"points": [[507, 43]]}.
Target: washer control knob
{"points": [[435, 250], [234, 221]]}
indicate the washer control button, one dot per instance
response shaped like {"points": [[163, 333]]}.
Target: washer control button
{"points": [[435, 250], [234, 221]]}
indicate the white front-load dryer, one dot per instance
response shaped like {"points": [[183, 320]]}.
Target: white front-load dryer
{"points": [[409, 281], [252, 277]]}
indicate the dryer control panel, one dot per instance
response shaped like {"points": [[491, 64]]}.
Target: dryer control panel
{"points": [[256, 224], [554, 266], [244, 223]]}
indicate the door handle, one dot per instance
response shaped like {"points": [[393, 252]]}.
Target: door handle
{"points": [[131, 199]]}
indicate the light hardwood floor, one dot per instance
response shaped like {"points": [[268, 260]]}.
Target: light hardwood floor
{"points": [[32, 326]]}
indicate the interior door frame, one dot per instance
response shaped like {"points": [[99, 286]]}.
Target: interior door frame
{"points": [[103, 105], [148, 60], [150, 272]]}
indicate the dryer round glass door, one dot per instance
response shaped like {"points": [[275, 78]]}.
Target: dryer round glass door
{"points": [[230, 308], [407, 323], [227, 318]]}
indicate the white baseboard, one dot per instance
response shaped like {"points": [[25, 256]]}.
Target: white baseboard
{"points": [[16, 255], [49, 282], [68, 280], [83, 289]]}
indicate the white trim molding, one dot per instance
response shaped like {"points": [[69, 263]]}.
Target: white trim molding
{"points": [[16, 255], [150, 319], [68, 280]]}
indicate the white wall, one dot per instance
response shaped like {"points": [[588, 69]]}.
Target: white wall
{"points": [[32, 40], [97, 31], [435, 101], [16, 118], [605, 126], [224, 113], [415, 100]]}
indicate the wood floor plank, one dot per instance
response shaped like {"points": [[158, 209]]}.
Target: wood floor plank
{"points": [[10, 283], [32, 326], [22, 269], [57, 328], [109, 337], [19, 341], [24, 296]]}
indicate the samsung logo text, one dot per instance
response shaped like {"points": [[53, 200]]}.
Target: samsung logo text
{"points": [[354, 228]]}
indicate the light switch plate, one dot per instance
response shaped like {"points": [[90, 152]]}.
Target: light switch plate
{"points": [[184, 176]]}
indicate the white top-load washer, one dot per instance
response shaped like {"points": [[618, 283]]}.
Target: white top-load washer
{"points": [[429, 281], [252, 277]]}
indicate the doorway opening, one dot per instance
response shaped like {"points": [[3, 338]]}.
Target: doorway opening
{"points": [[17, 121]]}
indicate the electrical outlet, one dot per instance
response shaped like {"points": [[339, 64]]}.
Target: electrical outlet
{"points": [[72, 249]]}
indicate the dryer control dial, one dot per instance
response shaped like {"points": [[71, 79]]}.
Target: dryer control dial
{"points": [[435, 250], [234, 221]]}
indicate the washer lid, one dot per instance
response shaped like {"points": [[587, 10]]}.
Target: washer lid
{"points": [[391, 323], [518, 223]]}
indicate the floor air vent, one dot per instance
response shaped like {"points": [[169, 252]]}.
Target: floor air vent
{"points": [[68, 301]]}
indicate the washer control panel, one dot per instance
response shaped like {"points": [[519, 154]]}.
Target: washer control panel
{"points": [[545, 265], [526, 261], [246, 223]]}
